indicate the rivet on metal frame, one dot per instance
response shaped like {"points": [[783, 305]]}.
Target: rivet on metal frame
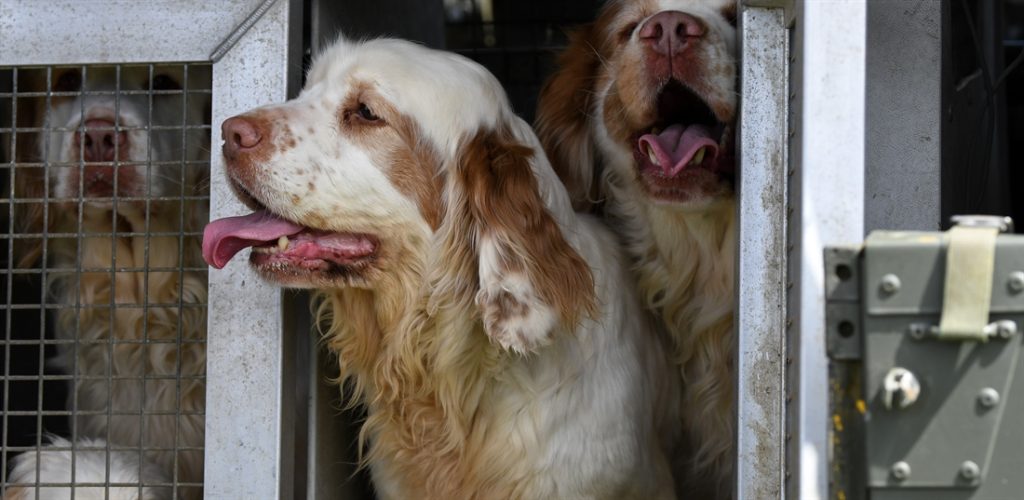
{"points": [[988, 397], [890, 284], [1015, 283], [918, 331], [900, 470], [970, 470]]}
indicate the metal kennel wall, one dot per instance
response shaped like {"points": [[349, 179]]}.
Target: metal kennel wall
{"points": [[840, 128], [253, 50]]}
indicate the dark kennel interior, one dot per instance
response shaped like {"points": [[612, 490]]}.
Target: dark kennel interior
{"points": [[983, 106]]}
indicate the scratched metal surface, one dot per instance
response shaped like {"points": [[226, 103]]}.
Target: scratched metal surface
{"points": [[99, 30], [246, 349], [826, 192], [904, 116], [760, 313]]}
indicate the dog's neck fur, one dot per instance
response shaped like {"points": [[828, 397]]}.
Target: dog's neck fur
{"points": [[686, 271], [99, 254], [422, 367], [130, 290]]}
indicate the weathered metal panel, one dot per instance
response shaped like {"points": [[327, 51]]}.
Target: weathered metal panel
{"points": [[919, 254], [904, 115], [246, 340], [75, 31], [949, 426], [827, 195], [761, 278], [955, 438]]}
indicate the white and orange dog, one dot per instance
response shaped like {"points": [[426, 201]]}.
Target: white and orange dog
{"points": [[125, 158], [639, 119], [491, 332]]}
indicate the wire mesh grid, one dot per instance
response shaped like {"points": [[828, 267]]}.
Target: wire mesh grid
{"points": [[105, 193], [516, 40]]}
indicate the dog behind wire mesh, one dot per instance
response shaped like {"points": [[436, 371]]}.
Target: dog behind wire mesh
{"points": [[120, 166]]}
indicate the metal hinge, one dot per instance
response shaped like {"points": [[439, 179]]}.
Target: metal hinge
{"points": [[842, 303]]}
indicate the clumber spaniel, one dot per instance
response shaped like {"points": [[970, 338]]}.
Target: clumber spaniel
{"points": [[639, 122], [492, 332]]}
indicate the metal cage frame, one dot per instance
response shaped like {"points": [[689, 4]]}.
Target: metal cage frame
{"points": [[47, 304], [254, 50]]}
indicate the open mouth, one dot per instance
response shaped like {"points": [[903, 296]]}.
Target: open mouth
{"points": [[685, 141], [281, 245]]}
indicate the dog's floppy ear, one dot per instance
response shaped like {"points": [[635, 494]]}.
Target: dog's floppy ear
{"points": [[563, 113], [531, 280]]}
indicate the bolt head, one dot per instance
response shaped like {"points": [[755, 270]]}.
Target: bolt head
{"points": [[918, 331], [890, 283], [900, 470], [988, 397], [1015, 283], [970, 470]]}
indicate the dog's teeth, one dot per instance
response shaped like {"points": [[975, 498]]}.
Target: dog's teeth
{"points": [[699, 157], [651, 155], [282, 243]]}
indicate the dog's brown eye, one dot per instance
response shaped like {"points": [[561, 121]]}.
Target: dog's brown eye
{"points": [[366, 114], [70, 81], [164, 82]]}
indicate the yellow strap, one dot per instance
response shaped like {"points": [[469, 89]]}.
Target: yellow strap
{"points": [[968, 290]]}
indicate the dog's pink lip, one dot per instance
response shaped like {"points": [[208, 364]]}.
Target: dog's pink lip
{"points": [[303, 247], [314, 250]]}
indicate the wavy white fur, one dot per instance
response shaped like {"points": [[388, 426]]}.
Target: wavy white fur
{"points": [[128, 477]]}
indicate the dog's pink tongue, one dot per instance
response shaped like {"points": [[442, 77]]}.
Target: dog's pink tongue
{"points": [[224, 238], [675, 146]]}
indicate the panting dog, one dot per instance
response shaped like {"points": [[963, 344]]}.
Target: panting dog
{"points": [[639, 122], [493, 334]]}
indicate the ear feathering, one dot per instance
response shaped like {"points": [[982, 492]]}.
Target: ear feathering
{"points": [[531, 280], [562, 125]]}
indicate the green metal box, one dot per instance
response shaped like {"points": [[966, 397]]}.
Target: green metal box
{"points": [[923, 333]]}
